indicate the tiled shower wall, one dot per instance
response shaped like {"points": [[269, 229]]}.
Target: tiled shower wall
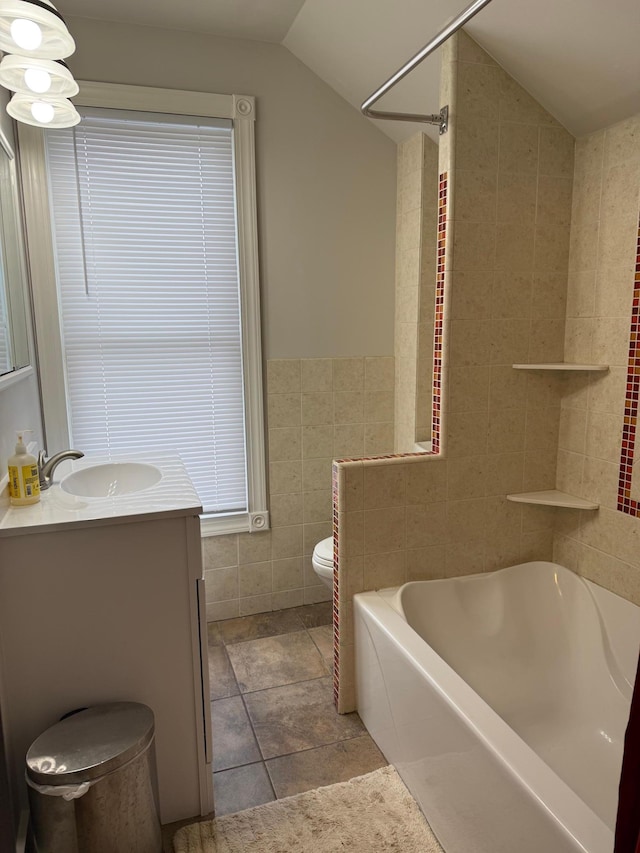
{"points": [[317, 409], [510, 167], [603, 546], [416, 231]]}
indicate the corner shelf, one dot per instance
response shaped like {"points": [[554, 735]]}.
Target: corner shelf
{"points": [[552, 497], [561, 365]]}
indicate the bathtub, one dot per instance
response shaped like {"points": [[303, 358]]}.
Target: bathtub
{"points": [[502, 700]]}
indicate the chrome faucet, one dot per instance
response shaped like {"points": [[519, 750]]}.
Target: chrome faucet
{"points": [[46, 467]]}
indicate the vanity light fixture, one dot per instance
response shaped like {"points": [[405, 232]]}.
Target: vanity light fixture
{"points": [[37, 76], [34, 28], [42, 111]]}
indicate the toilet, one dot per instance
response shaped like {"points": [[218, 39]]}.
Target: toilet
{"points": [[322, 561]]}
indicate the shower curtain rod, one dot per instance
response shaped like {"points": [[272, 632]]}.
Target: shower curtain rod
{"points": [[441, 118]]}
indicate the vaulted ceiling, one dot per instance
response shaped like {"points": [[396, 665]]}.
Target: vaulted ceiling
{"points": [[579, 58]]}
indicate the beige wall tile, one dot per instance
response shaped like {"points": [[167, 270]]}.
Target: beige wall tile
{"points": [[283, 410], [348, 440], [515, 246], [573, 430], [546, 342], [378, 406], [611, 341], [287, 598], [255, 579], [517, 194], [507, 387], [470, 295], [476, 196], [218, 610], [464, 558], [317, 506], [589, 154], [621, 142], [556, 152], [469, 388], [539, 470], [316, 375], [469, 342], [477, 144], [255, 604], [466, 520], [351, 542], [348, 407], [518, 148], [479, 89], [379, 373], [614, 292], [474, 246], [604, 436], [254, 547], [607, 390], [466, 478], [317, 409], [541, 429], [509, 341], [517, 105], [283, 375], [314, 533], [285, 444], [286, 509], [378, 439], [316, 473], [554, 200], [551, 248], [425, 482], [384, 570], [384, 486], [286, 542], [424, 564], [549, 295], [426, 525], [505, 473], [581, 293], [511, 295], [285, 477], [219, 552], [317, 442], [316, 594], [467, 434], [221, 584], [348, 374], [384, 530], [287, 574]]}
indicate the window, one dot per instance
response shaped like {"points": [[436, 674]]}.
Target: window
{"points": [[156, 288]]}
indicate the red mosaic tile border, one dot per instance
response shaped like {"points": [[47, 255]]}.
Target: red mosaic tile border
{"points": [[438, 332], [336, 596], [625, 501]]}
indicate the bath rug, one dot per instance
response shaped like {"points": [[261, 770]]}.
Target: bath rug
{"points": [[368, 814]]}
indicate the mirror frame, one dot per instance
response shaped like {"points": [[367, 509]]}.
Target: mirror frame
{"points": [[17, 285]]}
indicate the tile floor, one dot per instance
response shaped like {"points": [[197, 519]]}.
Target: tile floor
{"points": [[275, 729]]}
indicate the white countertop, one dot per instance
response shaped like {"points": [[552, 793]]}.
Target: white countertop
{"points": [[174, 495]]}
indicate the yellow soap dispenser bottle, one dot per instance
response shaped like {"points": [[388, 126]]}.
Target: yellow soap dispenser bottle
{"points": [[24, 482]]}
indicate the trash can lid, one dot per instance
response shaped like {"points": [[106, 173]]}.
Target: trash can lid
{"points": [[90, 744]]}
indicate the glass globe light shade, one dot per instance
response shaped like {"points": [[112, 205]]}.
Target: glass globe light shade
{"points": [[39, 76], [34, 28], [38, 80], [26, 34], [42, 111]]}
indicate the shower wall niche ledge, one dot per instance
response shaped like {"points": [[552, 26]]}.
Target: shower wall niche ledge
{"points": [[563, 365], [552, 497]]}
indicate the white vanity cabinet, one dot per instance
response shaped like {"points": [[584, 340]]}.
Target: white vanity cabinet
{"points": [[107, 609]]}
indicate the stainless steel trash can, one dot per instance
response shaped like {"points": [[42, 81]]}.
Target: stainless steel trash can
{"points": [[92, 785]]}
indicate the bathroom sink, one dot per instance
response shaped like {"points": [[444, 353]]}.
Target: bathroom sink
{"points": [[110, 479]]}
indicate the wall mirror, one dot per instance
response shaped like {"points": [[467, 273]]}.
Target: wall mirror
{"points": [[14, 328]]}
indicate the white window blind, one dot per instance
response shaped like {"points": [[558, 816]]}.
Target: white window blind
{"points": [[144, 220]]}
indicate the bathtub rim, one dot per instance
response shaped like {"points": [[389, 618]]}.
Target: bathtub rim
{"points": [[572, 815]]}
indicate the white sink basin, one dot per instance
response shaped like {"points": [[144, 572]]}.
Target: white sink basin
{"points": [[112, 478]]}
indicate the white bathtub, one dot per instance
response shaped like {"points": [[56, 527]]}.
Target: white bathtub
{"points": [[502, 699]]}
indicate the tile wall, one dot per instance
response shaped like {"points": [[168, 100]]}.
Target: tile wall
{"points": [[603, 546], [510, 168], [317, 410], [416, 232]]}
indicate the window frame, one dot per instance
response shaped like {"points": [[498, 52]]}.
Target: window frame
{"points": [[241, 110]]}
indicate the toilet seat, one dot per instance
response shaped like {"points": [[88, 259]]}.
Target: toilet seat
{"points": [[322, 560]]}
